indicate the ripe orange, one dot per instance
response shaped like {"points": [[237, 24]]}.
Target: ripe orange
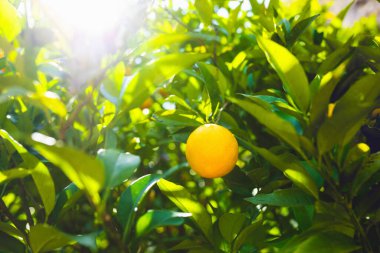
{"points": [[212, 151]]}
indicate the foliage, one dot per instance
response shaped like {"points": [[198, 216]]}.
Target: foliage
{"points": [[92, 141]]}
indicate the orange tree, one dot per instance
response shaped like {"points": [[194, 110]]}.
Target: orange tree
{"points": [[93, 129]]}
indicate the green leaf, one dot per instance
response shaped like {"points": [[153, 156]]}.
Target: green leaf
{"points": [[290, 71], [365, 173], [254, 233], [40, 173], [286, 197], [50, 101], [170, 39], [230, 225], [322, 242], [334, 59], [65, 198], [113, 84], [13, 174], [130, 200], [158, 218], [118, 166], [349, 113], [304, 216], [185, 202], [290, 166], [143, 83], [10, 22], [277, 125], [177, 118], [84, 171], [10, 244], [344, 11], [45, 238], [11, 230], [299, 28], [205, 10]]}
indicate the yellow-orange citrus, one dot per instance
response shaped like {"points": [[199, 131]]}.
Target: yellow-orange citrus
{"points": [[212, 151]]}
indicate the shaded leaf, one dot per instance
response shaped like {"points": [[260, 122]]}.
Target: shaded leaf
{"points": [[253, 233], [299, 28], [346, 119], [285, 197], [230, 225], [118, 166], [130, 200]]}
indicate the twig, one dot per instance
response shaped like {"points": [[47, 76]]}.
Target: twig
{"points": [[220, 112], [177, 19], [4, 209], [24, 202]]}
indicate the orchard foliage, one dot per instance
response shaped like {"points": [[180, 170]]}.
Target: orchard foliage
{"points": [[93, 130]]}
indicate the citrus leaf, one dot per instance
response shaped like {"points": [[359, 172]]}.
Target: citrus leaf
{"points": [[253, 232], [205, 10], [139, 87], [158, 218], [45, 238], [286, 197], [130, 200], [13, 174], [347, 119], [277, 125], [230, 225], [10, 23], [84, 171], [290, 71], [118, 166], [185, 202], [40, 173]]}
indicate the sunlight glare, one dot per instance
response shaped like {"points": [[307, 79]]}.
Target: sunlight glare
{"points": [[92, 17]]}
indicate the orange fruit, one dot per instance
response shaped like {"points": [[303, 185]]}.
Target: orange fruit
{"points": [[147, 103], [212, 151]]}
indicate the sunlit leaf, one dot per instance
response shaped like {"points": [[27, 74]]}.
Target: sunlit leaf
{"points": [[10, 22], [50, 101], [186, 203], [278, 126], [84, 171], [13, 174], [143, 83], [289, 70], [44, 238], [205, 10], [40, 173]]}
